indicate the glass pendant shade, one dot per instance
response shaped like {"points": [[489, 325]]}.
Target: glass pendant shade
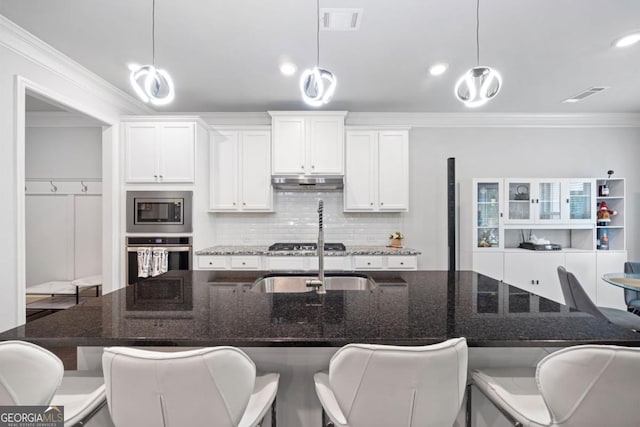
{"points": [[478, 85], [318, 86], [152, 85]]}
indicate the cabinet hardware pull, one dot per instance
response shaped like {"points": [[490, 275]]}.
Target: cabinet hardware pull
{"points": [[567, 200], [161, 176], [532, 201], [500, 214], [155, 176], [381, 204], [313, 166], [537, 200], [368, 263], [533, 282], [243, 263], [210, 263], [371, 203], [53, 187], [234, 203], [401, 263], [302, 167], [244, 204]]}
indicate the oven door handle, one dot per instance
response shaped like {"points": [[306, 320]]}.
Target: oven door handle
{"points": [[169, 248]]}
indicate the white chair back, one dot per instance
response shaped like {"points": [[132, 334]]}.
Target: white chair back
{"points": [[209, 386], [29, 375], [378, 385], [591, 385]]}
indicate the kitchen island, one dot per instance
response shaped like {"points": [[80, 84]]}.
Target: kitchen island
{"points": [[296, 334], [207, 308]]}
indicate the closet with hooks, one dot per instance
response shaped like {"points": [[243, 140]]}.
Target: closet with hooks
{"points": [[63, 203]]}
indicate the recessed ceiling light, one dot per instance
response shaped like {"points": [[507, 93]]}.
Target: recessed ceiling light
{"points": [[438, 69], [288, 69], [627, 40]]}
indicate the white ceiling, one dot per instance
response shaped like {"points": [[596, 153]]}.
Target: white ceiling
{"points": [[224, 54]]}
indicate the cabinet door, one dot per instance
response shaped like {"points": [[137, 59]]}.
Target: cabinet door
{"points": [[326, 146], [579, 196], [535, 272], [583, 266], [487, 196], [607, 294], [360, 175], [256, 192], [519, 202], [177, 152], [223, 164], [289, 136], [548, 198], [141, 152], [393, 171]]}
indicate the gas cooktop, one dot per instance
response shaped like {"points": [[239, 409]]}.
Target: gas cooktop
{"points": [[306, 247]]}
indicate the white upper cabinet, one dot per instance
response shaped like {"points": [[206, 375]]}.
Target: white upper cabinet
{"points": [[160, 152], [308, 143], [240, 176], [377, 171], [549, 201]]}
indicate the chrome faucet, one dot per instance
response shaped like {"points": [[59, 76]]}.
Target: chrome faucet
{"points": [[319, 282]]}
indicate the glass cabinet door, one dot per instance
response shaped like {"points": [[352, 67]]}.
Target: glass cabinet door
{"points": [[549, 201], [488, 215], [519, 206], [579, 199]]}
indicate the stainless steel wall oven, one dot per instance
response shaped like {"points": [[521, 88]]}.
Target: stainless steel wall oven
{"points": [[179, 251]]}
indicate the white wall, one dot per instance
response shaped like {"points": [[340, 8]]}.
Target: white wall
{"points": [[509, 152], [26, 61], [63, 152]]}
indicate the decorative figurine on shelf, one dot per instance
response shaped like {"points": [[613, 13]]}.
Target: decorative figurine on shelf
{"points": [[604, 214], [396, 240]]}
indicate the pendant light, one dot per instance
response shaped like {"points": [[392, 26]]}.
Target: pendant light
{"points": [[481, 83], [152, 84], [317, 84]]}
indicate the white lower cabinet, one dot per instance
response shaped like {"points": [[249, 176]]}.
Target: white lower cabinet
{"points": [[583, 266], [610, 262], [535, 272], [229, 262], [307, 263], [489, 263]]}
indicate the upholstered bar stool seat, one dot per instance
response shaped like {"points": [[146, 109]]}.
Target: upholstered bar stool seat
{"points": [[382, 386], [215, 386], [586, 385], [32, 375]]}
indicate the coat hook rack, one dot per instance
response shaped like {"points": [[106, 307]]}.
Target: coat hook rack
{"points": [[84, 187], [53, 187]]}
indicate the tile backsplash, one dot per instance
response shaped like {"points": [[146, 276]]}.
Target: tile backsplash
{"points": [[296, 220]]}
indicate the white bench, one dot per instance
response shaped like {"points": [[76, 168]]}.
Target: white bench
{"points": [[66, 287]]}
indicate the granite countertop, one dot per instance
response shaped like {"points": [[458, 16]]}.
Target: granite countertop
{"points": [[208, 308], [264, 250]]}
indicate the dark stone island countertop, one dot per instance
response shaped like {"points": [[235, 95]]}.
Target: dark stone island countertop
{"points": [[205, 308]]}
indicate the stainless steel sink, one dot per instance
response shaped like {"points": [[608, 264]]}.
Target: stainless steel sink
{"points": [[297, 283]]}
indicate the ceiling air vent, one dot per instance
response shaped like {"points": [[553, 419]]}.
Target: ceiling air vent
{"points": [[586, 93], [336, 19]]}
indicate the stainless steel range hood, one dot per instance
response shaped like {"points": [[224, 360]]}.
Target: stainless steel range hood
{"points": [[307, 183]]}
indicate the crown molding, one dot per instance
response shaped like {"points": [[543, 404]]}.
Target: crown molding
{"points": [[236, 119], [165, 118], [59, 119], [25, 44], [494, 120]]}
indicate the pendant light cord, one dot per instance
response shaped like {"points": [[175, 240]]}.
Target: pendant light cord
{"points": [[153, 34], [477, 32], [317, 33]]}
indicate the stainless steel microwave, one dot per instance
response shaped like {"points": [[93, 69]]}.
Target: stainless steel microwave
{"points": [[159, 211]]}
